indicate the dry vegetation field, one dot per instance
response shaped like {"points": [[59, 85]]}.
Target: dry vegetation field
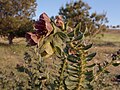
{"points": [[104, 46]]}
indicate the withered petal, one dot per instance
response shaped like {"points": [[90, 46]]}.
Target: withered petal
{"points": [[32, 38], [49, 28], [59, 21], [59, 17], [45, 17]]}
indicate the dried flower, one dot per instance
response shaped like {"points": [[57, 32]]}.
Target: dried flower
{"points": [[43, 26], [59, 22], [45, 17], [32, 38]]}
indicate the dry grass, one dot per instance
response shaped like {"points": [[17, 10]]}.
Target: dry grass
{"points": [[106, 45], [10, 55]]}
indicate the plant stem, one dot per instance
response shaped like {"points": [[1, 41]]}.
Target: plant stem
{"points": [[81, 72], [99, 73], [62, 74]]}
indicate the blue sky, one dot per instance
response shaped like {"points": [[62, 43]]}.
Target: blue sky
{"points": [[111, 7]]}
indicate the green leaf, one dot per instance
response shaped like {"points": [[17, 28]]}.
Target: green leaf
{"points": [[89, 75], [89, 72], [72, 58], [99, 67], [72, 73], [89, 58], [70, 80], [90, 66], [71, 34], [73, 61], [48, 49], [87, 47], [78, 37], [86, 33], [56, 29], [58, 51], [73, 69], [91, 55], [74, 65], [62, 35], [105, 71], [77, 29], [116, 64], [66, 50], [57, 41]]}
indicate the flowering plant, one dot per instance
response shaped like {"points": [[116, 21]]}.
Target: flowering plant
{"points": [[56, 41]]}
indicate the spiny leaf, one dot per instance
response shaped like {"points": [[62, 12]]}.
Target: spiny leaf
{"points": [[87, 47]]}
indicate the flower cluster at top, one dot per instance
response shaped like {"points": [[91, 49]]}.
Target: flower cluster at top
{"points": [[43, 27]]}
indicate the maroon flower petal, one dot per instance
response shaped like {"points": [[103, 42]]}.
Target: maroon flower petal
{"points": [[43, 26], [59, 22], [49, 28], [32, 38], [45, 17]]}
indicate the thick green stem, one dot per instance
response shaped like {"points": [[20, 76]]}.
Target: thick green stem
{"points": [[62, 74], [81, 73]]}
